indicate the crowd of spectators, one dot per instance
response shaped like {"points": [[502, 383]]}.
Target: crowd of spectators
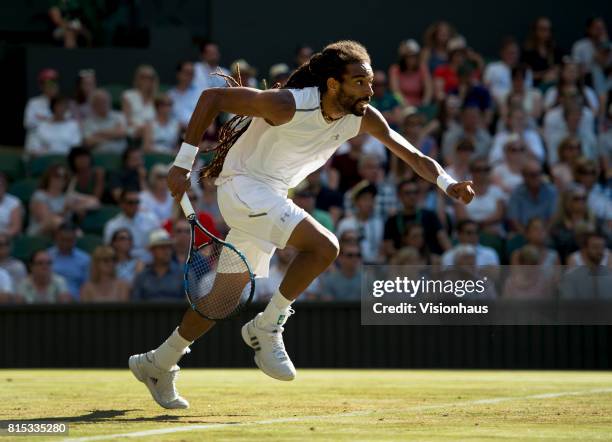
{"points": [[532, 130]]}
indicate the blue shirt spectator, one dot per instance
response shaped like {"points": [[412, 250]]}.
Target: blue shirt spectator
{"points": [[532, 199], [163, 278], [345, 283], [69, 261]]}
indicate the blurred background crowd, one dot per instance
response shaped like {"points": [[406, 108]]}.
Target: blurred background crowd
{"points": [[85, 214]]}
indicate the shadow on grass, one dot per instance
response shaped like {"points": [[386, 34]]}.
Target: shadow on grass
{"points": [[99, 416]]}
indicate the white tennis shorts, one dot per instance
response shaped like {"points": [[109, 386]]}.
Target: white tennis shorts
{"points": [[260, 219]]}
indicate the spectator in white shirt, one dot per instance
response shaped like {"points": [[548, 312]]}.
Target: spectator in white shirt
{"points": [[570, 119], [571, 82], [38, 109], [140, 224], [369, 226], [583, 50], [58, 135], [467, 234], [497, 75], [185, 94], [507, 175], [105, 130], [11, 210], [165, 128], [210, 64], [86, 84], [157, 199], [487, 207], [15, 268], [137, 103], [516, 124], [7, 288], [524, 95], [459, 169]]}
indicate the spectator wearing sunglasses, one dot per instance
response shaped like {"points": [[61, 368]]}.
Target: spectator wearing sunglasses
{"points": [[69, 261], [139, 223], [42, 285], [126, 266], [165, 129], [103, 284], [599, 197], [488, 206], [345, 283], [467, 235], [572, 216], [507, 174], [535, 198], [395, 227]]}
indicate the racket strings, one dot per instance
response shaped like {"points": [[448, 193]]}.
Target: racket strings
{"points": [[218, 281]]}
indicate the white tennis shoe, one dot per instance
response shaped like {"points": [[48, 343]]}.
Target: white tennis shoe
{"points": [[270, 354], [160, 383]]}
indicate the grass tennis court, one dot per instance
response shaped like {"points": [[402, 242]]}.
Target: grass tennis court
{"points": [[319, 404]]}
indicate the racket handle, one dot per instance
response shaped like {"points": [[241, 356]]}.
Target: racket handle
{"points": [[186, 206]]}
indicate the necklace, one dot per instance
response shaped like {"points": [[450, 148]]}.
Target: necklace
{"points": [[326, 117]]}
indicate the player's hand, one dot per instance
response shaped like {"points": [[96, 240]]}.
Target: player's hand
{"points": [[461, 191], [178, 181]]}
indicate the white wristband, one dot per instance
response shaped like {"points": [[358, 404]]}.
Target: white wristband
{"points": [[186, 156], [444, 180]]}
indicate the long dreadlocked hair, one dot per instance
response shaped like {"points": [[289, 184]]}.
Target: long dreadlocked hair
{"points": [[330, 62]]}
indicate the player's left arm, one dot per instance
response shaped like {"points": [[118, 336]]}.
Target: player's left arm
{"points": [[374, 124]]}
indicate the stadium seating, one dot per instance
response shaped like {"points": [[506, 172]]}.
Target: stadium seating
{"points": [[11, 164], [115, 90], [25, 245], [95, 220], [150, 159], [23, 189], [38, 165], [89, 242], [108, 161]]}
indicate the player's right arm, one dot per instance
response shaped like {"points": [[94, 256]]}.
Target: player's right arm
{"points": [[276, 106]]}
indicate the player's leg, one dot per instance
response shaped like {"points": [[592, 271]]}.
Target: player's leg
{"points": [[317, 249], [157, 368]]}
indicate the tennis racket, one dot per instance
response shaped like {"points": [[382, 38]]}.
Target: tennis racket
{"points": [[218, 281]]}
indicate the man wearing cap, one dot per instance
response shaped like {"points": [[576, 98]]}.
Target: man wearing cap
{"points": [[244, 73], [369, 227], [139, 223], [162, 278], [38, 108], [279, 73]]}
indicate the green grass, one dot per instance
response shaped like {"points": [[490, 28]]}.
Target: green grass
{"points": [[335, 405]]}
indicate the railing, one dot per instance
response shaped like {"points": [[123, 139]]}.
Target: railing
{"points": [[318, 335]]}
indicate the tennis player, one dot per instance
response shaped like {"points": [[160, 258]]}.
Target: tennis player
{"points": [[293, 132]]}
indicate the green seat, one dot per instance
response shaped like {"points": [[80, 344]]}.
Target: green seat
{"points": [[110, 162], [38, 165], [95, 220], [23, 189], [150, 159], [89, 242], [115, 90], [495, 242], [164, 88], [25, 245], [429, 111], [515, 243], [11, 164]]}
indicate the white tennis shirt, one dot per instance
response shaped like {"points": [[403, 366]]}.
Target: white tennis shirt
{"points": [[282, 156]]}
